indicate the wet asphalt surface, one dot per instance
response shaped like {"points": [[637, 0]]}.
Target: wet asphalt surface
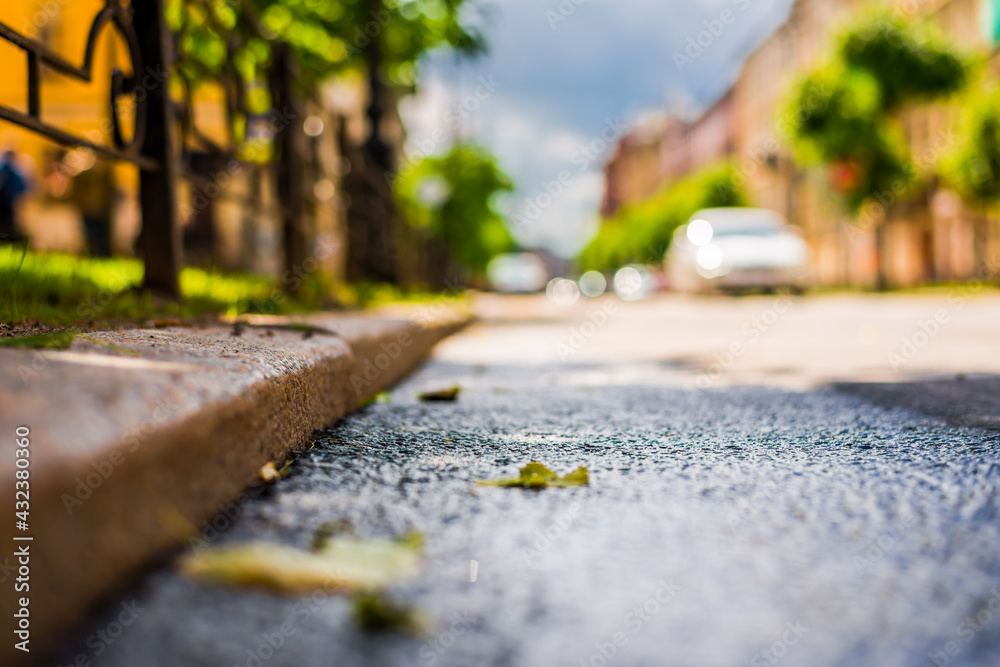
{"points": [[730, 526]]}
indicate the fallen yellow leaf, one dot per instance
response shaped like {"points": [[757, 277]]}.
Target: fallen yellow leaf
{"points": [[346, 564], [537, 476]]}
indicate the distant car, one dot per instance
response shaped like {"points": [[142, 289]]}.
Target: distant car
{"points": [[737, 249], [518, 272]]}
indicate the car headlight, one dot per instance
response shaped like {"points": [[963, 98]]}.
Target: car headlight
{"points": [[699, 232], [710, 257]]}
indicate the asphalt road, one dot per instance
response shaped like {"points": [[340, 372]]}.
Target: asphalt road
{"points": [[725, 524]]}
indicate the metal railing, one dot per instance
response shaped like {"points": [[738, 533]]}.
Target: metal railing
{"points": [[144, 31], [162, 138], [166, 145], [39, 56]]}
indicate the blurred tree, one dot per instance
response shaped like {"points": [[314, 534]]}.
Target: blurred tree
{"points": [[844, 114], [329, 37], [453, 199], [973, 167], [234, 42], [642, 232]]}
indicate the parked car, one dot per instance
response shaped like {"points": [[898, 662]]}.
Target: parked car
{"points": [[737, 249]]}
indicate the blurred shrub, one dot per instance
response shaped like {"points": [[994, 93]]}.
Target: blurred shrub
{"points": [[642, 232], [453, 198], [973, 168]]}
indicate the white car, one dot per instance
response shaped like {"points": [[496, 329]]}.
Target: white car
{"points": [[737, 249]]}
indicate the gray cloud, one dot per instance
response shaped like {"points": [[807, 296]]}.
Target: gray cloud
{"points": [[608, 59]]}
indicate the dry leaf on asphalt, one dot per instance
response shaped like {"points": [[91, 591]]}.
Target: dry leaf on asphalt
{"points": [[441, 395], [346, 564], [271, 473], [537, 476], [377, 613]]}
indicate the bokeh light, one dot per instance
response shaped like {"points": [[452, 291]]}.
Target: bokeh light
{"points": [[562, 291], [699, 232], [593, 283]]}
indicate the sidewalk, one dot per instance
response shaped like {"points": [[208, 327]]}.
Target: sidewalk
{"points": [[136, 437]]}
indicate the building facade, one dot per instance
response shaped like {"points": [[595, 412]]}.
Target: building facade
{"points": [[931, 237]]}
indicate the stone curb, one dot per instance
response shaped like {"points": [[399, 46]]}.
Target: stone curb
{"points": [[138, 436]]}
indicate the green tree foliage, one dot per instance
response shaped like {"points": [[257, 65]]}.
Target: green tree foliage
{"points": [[332, 35], [453, 197], [329, 36], [642, 232], [973, 168], [843, 113], [909, 61], [226, 39]]}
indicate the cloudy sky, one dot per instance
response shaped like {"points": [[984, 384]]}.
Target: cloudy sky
{"points": [[564, 76]]}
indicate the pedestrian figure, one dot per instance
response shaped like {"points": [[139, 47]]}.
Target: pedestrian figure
{"points": [[93, 193], [198, 234], [13, 185]]}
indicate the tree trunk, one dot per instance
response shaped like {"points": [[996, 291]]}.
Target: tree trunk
{"points": [[289, 141], [372, 205], [881, 255]]}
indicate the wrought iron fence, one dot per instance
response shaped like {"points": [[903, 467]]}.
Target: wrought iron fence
{"points": [[143, 30], [39, 55], [163, 138], [164, 141]]}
